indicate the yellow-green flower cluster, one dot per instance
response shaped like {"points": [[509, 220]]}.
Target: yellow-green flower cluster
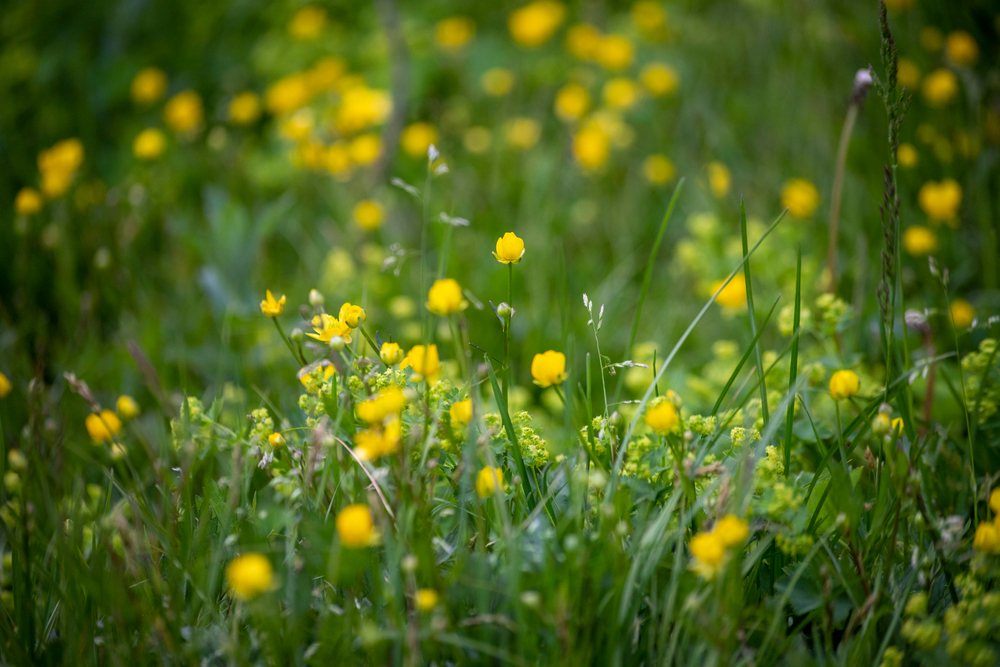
{"points": [[974, 365], [533, 448]]}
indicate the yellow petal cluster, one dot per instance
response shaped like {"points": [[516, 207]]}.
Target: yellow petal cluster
{"points": [[733, 295], [148, 86], [661, 416], [183, 112], [535, 23], [149, 144], [919, 241], [510, 249], [355, 526], [711, 549], [445, 297], [326, 327], [272, 307], [488, 481], [941, 201], [461, 412], [249, 575], [548, 368], [391, 354], [103, 427], [58, 165], [424, 361], [800, 197], [844, 384]]}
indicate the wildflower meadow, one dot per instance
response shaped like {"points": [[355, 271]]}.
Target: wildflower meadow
{"points": [[522, 333]]}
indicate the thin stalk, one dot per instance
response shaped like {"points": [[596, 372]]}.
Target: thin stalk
{"points": [[753, 315], [372, 344], [838, 188], [793, 365], [301, 360]]}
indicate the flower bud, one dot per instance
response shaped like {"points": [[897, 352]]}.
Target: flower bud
{"points": [[337, 343], [296, 335], [504, 310], [316, 298], [17, 460]]}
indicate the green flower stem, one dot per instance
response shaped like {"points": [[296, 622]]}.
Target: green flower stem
{"points": [[300, 359], [372, 343], [506, 335], [459, 347], [840, 442]]}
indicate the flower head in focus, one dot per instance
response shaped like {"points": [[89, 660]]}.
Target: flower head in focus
{"points": [[352, 315], [548, 368], [391, 354], [510, 249], [326, 327], [272, 307]]}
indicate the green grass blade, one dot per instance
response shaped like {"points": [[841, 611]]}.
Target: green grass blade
{"points": [[511, 435], [753, 315], [743, 361], [794, 361]]}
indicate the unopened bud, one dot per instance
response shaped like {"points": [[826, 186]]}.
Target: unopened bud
{"points": [[337, 343], [504, 310], [296, 335], [316, 298]]}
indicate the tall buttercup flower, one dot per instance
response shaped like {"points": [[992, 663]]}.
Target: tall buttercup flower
{"points": [[249, 575], [844, 384], [103, 427], [352, 315], [424, 361], [326, 327], [488, 481], [445, 297], [661, 416], [391, 354], [272, 307], [355, 526], [548, 368], [510, 249]]}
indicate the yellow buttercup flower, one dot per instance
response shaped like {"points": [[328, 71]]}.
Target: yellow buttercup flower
{"points": [[987, 538], [362, 107], [800, 197], [149, 85], [941, 201], [288, 94], [660, 79], [962, 48], [522, 133], [126, 407], [391, 354], [649, 17], [326, 327], [307, 23], [389, 402], [445, 297], [5, 386], [298, 126], [719, 178], [488, 481], [461, 412], [591, 146], [276, 440], [731, 531], [272, 307], [249, 575], [365, 149], [709, 555], [548, 368], [535, 23], [908, 74], [244, 109], [962, 313], [497, 81], [451, 34], [372, 444], [995, 501], [919, 241], [615, 52], [149, 144], [583, 40], [510, 249], [426, 599], [27, 201], [352, 315], [844, 384], [940, 87], [661, 416], [368, 214], [355, 526], [58, 166], [733, 295], [103, 427], [658, 169], [424, 361], [325, 74], [907, 156], [417, 138], [572, 102], [183, 112], [620, 93]]}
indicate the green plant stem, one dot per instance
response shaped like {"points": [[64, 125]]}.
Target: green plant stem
{"points": [[371, 343], [300, 360]]}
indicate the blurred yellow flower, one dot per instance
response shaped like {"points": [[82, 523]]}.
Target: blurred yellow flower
{"points": [[731, 531], [510, 249], [919, 241], [535, 23], [287, 94], [451, 34], [371, 444], [326, 327], [800, 197], [426, 599], [325, 74], [272, 307], [477, 139], [719, 178], [941, 201], [307, 23], [103, 427], [620, 93], [445, 297], [276, 440], [661, 416], [907, 156], [58, 166], [27, 202], [365, 148], [844, 384], [961, 48], [355, 526], [337, 160], [183, 112], [298, 126], [5, 386], [424, 361], [249, 575], [591, 146], [940, 87], [417, 138], [658, 169], [908, 74], [709, 555], [733, 295], [488, 481], [582, 41], [244, 109], [649, 17], [353, 315], [391, 354], [149, 85], [497, 81], [572, 102], [660, 79], [615, 52], [931, 38], [522, 133], [126, 407], [962, 313], [368, 213], [995, 501], [461, 412], [548, 368], [149, 144], [987, 538]]}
